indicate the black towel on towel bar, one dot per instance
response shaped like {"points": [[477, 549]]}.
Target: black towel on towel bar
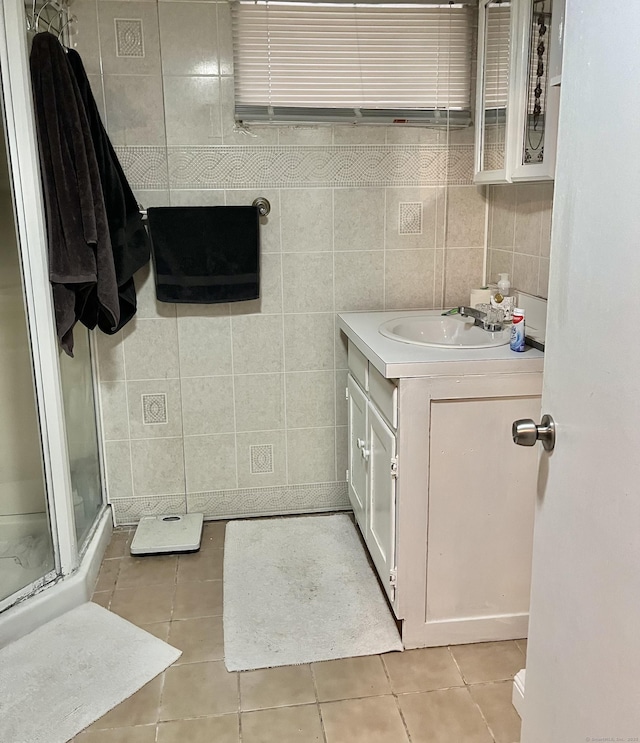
{"points": [[205, 254]]}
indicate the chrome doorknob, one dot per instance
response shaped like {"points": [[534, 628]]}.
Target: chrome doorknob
{"points": [[525, 432]]}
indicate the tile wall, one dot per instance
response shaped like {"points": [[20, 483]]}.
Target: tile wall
{"points": [[239, 409], [520, 235]]}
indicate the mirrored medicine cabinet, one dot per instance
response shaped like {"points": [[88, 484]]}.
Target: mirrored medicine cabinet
{"points": [[518, 89]]}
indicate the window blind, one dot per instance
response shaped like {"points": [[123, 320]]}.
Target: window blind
{"points": [[335, 61], [496, 69]]}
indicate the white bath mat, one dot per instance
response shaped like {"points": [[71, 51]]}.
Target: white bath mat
{"points": [[66, 674], [298, 590]]}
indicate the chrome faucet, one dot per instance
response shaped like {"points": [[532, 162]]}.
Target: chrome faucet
{"points": [[480, 319]]}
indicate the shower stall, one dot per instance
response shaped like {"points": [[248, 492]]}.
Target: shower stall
{"points": [[54, 523]]}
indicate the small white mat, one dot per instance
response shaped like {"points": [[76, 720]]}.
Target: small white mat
{"points": [[66, 674], [298, 590]]}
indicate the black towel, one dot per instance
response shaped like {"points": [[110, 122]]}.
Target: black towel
{"points": [[205, 254], [129, 239], [81, 267]]}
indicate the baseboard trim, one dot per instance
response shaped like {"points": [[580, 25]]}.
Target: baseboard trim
{"points": [[517, 697], [464, 631]]}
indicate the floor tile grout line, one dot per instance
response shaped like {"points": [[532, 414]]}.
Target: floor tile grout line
{"points": [[395, 698], [318, 707]]}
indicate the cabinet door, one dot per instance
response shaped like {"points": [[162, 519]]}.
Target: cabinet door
{"points": [[381, 512], [358, 451]]}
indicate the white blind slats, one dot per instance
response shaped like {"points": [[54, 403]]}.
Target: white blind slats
{"points": [[364, 57], [496, 69]]}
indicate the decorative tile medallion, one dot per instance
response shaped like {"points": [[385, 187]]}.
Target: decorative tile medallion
{"points": [[154, 409], [261, 459], [129, 37], [410, 218]]}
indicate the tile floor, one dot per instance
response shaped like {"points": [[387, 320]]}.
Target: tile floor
{"points": [[460, 694]]}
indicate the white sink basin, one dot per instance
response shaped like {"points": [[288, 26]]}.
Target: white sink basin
{"points": [[452, 331]]}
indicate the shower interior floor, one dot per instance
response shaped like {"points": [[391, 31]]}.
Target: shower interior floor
{"points": [[25, 551]]}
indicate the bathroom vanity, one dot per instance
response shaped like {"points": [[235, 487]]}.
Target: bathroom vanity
{"points": [[444, 500]]}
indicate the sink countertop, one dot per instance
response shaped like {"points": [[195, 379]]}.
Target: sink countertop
{"points": [[394, 359]]}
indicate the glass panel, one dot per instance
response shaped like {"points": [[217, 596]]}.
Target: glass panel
{"points": [[82, 435], [26, 550], [537, 82], [496, 84]]}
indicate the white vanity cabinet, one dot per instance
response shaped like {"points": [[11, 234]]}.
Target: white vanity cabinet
{"points": [[372, 472], [444, 500]]}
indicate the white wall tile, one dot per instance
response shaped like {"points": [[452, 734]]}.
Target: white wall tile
{"points": [[259, 402], [308, 341], [359, 280], [113, 405], [310, 399], [195, 22], [207, 405], [110, 355], [118, 469], [135, 109], [257, 344], [205, 341], [409, 279], [307, 282], [210, 462], [158, 466], [148, 305], [307, 219], [342, 452], [463, 268], [192, 110], [151, 349], [466, 208], [526, 270], [305, 135], [225, 46], [311, 455], [193, 197], [359, 215]]}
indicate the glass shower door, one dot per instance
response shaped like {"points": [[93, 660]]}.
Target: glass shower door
{"points": [[26, 548], [82, 434]]}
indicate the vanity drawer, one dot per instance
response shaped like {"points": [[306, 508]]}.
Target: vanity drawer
{"points": [[384, 395], [358, 366]]}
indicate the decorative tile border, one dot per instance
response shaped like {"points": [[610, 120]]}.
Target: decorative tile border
{"points": [[145, 167], [130, 510], [343, 166], [288, 499], [328, 496]]}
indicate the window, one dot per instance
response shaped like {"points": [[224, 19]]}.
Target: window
{"points": [[352, 62]]}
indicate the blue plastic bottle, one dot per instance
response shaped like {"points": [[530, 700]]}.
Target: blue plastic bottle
{"points": [[517, 330]]}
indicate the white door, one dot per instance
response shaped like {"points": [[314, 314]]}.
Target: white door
{"points": [[583, 666], [381, 505], [358, 451]]}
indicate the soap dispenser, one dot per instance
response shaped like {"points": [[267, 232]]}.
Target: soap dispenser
{"points": [[501, 299], [504, 285]]}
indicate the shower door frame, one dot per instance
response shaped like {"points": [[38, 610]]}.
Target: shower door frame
{"points": [[31, 233]]}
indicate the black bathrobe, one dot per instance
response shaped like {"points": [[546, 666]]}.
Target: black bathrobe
{"points": [[129, 239], [81, 265]]}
